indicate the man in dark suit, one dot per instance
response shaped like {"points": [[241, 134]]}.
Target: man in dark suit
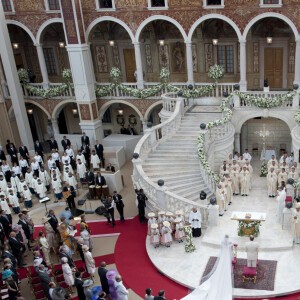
{"points": [[130, 130], [8, 254], [78, 284], [65, 142], [16, 248], [85, 149], [85, 139], [25, 227], [80, 243], [90, 177], [2, 156], [53, 220], [63, 253], [53, 144], [100, 180], [6, 223], [119, 204], [161, 295], [12, 151], [24, 152], [45, 279], [99, 150], [102, 274], [8, 145], [39, 149], [110, 168], [123, 130]]}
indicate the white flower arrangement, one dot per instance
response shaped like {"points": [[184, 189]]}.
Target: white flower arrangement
{"points": [[216, 72], [296, 183], [264, 169], [267, 102], [164, 74], [115, 73], [23, 75], [297, 117], [67, 75]]}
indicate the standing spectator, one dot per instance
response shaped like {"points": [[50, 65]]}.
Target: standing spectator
{"points": [[85, 139], [51, 238], [102, 274], [39, 149], [53, 144], [8, 145], [5, 220], [85, 149], [53, 220], [45, 279], [89, 261], [45, 247], [141, 198], [63, 253], [87, 285], [148, 295], [52, 286], [25, 227], [12, 286], [111, 275], [119, 204], [85, 235], [2, 156], [110, 211], [130, 131], [69, 197], [161, 295], [65, 142], [12, 151], [123, 130], [68, 273], [83, 221], [79, 286], [7, 254], [80, 243], [121, 290], [24, 152], [16, 248], [99, 150], [58, 293]]}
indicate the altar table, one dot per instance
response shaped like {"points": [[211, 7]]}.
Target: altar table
{"points": [[269, 154], [248, 226]]}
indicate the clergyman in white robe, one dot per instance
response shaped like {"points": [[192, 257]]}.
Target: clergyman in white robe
{"points": [[195, 221], [280, 205]]}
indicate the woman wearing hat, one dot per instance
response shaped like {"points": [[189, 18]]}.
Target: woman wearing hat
{"points": [[68, 273], [86, 237], [166, 234], [45, 247], [87, 285], [64, 235], [179, 232], [111, 275], [50, 234], [30, 223], [179, 215], [12, 286], [89, 261], [155, 236], [170, 219], [151, 220], [161, 219]]}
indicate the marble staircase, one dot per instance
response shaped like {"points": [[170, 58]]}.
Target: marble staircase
{"points": [[175, 160]]}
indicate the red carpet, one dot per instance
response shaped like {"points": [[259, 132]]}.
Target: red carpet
{"points": [[134, 264]]}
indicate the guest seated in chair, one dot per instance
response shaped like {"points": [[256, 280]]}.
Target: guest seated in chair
{"points": [[110, 168]]}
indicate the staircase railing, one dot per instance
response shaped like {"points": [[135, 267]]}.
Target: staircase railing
{"points": [[159, 198]]}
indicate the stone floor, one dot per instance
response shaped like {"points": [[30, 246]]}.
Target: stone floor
{"points": [[276, 244]]}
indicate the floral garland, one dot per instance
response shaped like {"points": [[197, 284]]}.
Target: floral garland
{"points": [[189, 245], [46, 93], [264, 169], [267, 102], [245, 225], [216, 72], [297, 117], [296, 183]]}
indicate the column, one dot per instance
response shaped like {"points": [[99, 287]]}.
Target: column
{"points": [[13, 83], [55, 127], [139, 66], [91, 61], [244, 136], [42, 62], [237, 142], [297, 64], [243, 66], [189, 63]]}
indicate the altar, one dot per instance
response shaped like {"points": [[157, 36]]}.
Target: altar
{"points": [[248, 223], [268, 155]]}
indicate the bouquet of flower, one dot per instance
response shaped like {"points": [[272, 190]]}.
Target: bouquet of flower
{"points": [[297, 117], [296, 183], [115, 73], [216, 72], [164, 74], [264, 169], [67, 74], [23, 75]]}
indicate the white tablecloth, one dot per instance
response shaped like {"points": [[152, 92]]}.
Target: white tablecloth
{"points": [[240, 215], [269, 154]]}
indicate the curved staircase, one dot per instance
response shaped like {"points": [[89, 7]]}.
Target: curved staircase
{"points": [[175, 160]]}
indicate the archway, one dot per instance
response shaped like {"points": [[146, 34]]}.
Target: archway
{"points": [[271, 51], [152, 113], [24, 50], [162, 45], [219, 37], [52, 38], [116, 114], [111, 46]]}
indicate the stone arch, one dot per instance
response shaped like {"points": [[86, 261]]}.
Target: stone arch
{"points": [[243, 117], [159, 17], [105, 106], [57, 109], [11, 109], [149, 109], [44, 25], [214, 16], [271, 15], [112, 19], [19, 24]]}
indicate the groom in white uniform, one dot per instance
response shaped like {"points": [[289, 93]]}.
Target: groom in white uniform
{"points": [[252, 252]]}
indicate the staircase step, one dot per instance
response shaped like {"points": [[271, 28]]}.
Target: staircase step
{"points": [[183, 186], [158, 174]]}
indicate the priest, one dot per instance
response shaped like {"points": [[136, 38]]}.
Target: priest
{"points": [[281, 195], [270, 162], [220, 197], [282, 177], [245, 182], [296, 223], [272, 183], [247, 155], [234, 175], [195, 221]]}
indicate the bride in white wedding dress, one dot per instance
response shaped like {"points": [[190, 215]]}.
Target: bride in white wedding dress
{"points": [[218, 283]]}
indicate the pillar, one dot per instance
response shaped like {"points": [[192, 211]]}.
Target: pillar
{"points": [[189, 62], [139, 66], [43, 67], [243, 66], [55, 127], [91, 61], [244, 137], [237, 142], [82, 70], [14, 86], [297, 63]]}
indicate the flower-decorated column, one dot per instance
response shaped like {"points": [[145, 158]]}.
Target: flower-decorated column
{"points": [[189, 62], [243, 66], [139, 66], [82, 70], [189, 245]]}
